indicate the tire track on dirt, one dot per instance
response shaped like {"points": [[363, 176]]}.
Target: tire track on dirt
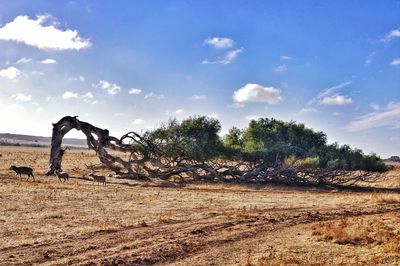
{"points": [[161, 243], [251, 228]]}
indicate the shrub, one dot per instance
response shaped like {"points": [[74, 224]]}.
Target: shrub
{"points": [[309, 162]]}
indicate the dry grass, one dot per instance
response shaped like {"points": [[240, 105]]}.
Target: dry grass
{"points": [[196, 224], [390, 198], [361, 232], [392, 178]]}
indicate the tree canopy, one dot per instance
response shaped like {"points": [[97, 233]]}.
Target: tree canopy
{"points": [[266, 140], [267, 150]]}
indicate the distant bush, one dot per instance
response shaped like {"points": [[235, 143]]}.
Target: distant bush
{"points": [[374, 163], [309, 162], [265, 140], [275, 141], [195, 138], [333, 164]]}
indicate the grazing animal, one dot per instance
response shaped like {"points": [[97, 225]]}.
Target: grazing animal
{"points": [[98, 178], [62, 176], [23, 170]]}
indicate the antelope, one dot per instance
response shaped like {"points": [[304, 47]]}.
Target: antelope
{"points": [[98, 178], [23, 170], [62, 176]]}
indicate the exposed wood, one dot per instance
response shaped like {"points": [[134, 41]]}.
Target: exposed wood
{"points": [[147, 159]]}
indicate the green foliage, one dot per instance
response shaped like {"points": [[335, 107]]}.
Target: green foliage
{"points": [[195, 138], [343, 157], [374, 163], [333, 164], [263, 141], [309, 162], [234, 139], [272, 140]]}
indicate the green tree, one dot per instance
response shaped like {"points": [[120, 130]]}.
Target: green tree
{"points": [[195, 138]]}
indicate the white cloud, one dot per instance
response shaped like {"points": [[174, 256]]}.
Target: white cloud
{"points": [[39, 73], [331, 90], [21, 97], [391, 35], [231, 55], [154, 96], [285, 57], [10, 73], [213, 115], [69, 95], [48, 61], [257, 93], [135, 91], [42, 33], [329, 97], [368, 60], [308, 110], [39, 109], [387, 117], [138, 121], [198, 97], [87, 97], [228, 58], [336, 100], [179, 112], [219, 43], [375, 106], [24, 60], [395, 62], [15, 107], [280, 69], [111, 88], [80, 78]]}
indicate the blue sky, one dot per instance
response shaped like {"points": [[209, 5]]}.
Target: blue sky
{"points": [[130, 65]]}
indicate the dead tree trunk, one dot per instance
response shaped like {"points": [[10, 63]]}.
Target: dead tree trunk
{"points": [[148, 157], [97, 139]]}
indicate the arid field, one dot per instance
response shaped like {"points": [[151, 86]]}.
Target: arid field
{"points": [[156, 222]]}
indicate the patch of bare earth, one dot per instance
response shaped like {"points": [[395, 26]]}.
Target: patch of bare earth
{"points": [[143, 223]]}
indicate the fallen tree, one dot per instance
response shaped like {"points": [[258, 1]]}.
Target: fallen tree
{"points": [[163, 155]]}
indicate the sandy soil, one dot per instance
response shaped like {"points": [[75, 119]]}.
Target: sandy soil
{"points": [[143, 223]]}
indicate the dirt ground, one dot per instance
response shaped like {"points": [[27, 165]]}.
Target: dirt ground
{"points": [[143, 223]]}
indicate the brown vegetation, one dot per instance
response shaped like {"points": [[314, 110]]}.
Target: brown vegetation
{"points": [[159, 222]]}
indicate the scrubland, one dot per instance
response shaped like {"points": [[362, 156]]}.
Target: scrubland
{"points": [[130, 222]]}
